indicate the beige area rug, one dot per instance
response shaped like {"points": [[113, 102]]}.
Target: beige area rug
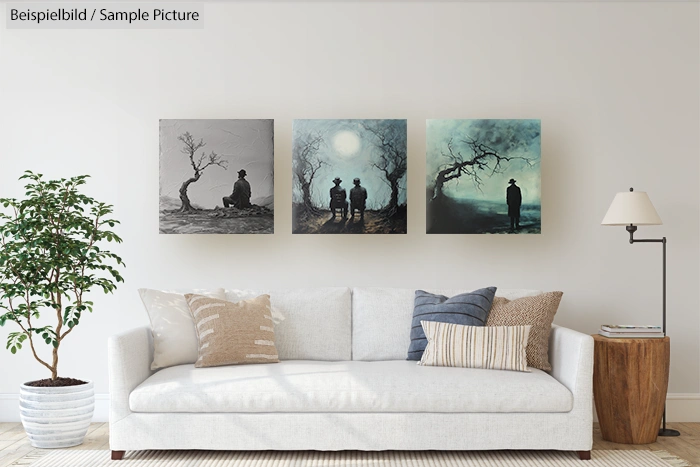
{"points": [[350, 459]]}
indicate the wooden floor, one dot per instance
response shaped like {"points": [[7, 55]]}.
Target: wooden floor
{"points": [[14, 444]]}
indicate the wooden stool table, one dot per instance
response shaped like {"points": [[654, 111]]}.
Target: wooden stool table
{"points": [[630, 379]]}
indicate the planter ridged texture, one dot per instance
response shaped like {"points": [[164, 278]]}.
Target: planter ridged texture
{"points": [[56, 417]]}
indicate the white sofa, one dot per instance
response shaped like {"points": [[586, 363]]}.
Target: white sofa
{"points": [[344, 384]]}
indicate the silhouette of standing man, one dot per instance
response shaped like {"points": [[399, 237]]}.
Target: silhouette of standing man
{"points": [[514, 199]]}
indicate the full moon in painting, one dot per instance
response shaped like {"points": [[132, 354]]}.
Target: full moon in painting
{"points": [[346, 143]]}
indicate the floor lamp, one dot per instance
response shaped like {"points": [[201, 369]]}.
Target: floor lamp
{"points": [[633, 208]]}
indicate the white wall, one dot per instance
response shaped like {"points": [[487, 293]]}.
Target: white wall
{"points": [[616, 87]]}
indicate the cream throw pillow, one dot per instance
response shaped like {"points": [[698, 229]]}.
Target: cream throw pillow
{"points": [[538, 312], [174, 337], [233, 333], [491, 348]]}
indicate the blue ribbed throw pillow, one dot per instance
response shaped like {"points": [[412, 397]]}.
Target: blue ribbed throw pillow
{"points": [[467, 309]]}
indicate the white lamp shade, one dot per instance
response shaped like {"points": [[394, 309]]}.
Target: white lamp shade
{"points": [[631, 207]]}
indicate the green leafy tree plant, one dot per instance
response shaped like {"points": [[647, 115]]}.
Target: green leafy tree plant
{"points": [[50, 259]]}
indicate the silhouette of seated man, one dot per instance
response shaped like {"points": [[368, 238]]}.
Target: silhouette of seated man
{"points": [[358, 199], [240, 198], [339, 198]]}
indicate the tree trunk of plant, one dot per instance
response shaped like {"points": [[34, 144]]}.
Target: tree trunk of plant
{"points": [[186, 205], [54, 366], [54, 354], [59, 326]]}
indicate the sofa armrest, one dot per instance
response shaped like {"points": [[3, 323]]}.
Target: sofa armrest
{"points": [[571, 356], [129, 357]]}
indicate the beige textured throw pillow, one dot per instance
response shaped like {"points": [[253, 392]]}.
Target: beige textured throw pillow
{"points": [[538, 312], [233, 333], [491, 348]]}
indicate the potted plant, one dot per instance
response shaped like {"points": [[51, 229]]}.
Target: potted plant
{"points": [[50, 258]]}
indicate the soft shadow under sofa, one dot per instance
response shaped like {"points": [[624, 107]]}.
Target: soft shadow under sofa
{"points": [[344, 384]]}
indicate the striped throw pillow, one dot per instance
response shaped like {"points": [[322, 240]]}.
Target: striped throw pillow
{"points": [[492, 348], [467, 309], [233, 333]]}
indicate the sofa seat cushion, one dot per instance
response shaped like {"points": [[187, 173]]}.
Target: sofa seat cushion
{"points": [[348, 386]]}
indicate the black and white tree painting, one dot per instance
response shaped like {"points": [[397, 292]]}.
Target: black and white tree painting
{"points": [[483, 176], [216, 176], [349, 176]]}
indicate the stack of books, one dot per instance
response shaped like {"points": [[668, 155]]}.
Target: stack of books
{"points": [[630, 331]]}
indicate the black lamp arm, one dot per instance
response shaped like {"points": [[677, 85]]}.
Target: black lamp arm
{"points": [[633, 228]]}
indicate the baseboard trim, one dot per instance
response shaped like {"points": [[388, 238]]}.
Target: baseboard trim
{"points": [[682, 396], [9, 408], [680, 407]]}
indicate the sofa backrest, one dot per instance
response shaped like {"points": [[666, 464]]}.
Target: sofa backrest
{"points": [[381, 319], [316, 322]]}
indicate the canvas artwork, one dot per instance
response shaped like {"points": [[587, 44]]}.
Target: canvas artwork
{"points": [[349, 177], [483, 177], [216, 176]]}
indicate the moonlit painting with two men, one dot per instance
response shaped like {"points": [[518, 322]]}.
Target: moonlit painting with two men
{"points": [[349, 176]]}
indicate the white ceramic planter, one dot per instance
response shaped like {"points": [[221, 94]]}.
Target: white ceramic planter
{"points": [[56, 417]]}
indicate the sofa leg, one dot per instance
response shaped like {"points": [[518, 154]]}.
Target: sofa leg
{"points": [[117, 455], [584, 455]]}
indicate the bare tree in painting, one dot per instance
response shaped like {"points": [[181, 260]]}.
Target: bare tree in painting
{"points": [[305, 164], [199, 165], [483, 160], [390, 159]]}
